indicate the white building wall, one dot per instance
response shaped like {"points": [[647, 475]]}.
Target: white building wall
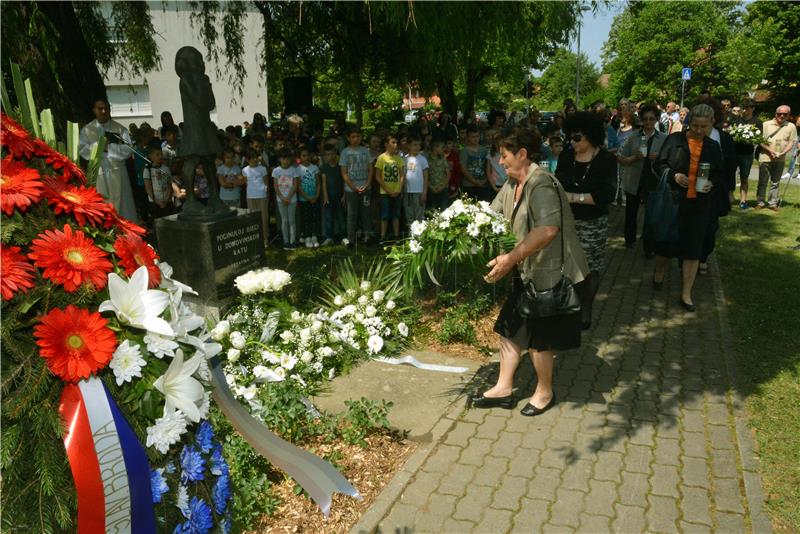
{"points": [[143, 98]]}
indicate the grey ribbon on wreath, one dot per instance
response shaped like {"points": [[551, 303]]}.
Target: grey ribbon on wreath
{"points": [[318, 477]]}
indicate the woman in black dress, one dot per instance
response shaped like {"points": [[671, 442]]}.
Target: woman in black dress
{"points": [[588, 173], [540, 218], [682, 158]]}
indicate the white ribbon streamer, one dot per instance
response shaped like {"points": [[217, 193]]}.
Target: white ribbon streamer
{"points": [[410, 360]]}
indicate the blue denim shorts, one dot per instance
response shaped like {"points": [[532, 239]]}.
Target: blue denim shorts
{"points": [[390, 207]]}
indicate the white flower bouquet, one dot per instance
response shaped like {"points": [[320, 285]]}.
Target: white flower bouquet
{"points": [[262, 281], [746, 134], [468, 231]]}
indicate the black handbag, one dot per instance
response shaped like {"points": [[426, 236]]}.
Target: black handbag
{"points": [[561, 299]]}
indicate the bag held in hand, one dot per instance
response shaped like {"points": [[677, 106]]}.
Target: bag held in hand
{"points": [[661, 214], [561, 299]]}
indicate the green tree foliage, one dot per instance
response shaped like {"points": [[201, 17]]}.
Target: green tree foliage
{"points": [[651, 41], [749, 56], [783, 76], [62, 46], [558, 81]]}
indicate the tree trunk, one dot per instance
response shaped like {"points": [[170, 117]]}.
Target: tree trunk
{"points": [[447, 94], [360, 97]]}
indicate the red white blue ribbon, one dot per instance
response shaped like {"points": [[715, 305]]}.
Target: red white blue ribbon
{"points": [[108, 463]]}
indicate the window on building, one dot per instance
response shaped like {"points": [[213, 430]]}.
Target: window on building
{"points": [[129, 100]]}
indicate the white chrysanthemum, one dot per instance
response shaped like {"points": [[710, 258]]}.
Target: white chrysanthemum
{"points": [[205, 406], [418, 227], [498, 227], [220, 330], [363, 299], [326, 352], [238, 340], [370, 311], [287, 336], [183, 500], [374, 344], [338, 300], [288, 361], [160, 346], [296, 316], [403, 329], [391, 305], [204, 372], [306, 357], [127, 362], [305, 334], [249, 392], [360, 317], [348, 310], [233, 354], [351, 292], [316, 326], [414, 246], [166, 431], [378, 295], [473, 230], [481, 219], [262, 281], [230, 379], [270, 357], [365, 285], [317, 367], [444, 223]]}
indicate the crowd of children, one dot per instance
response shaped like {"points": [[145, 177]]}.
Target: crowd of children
{"points": [[317, 190]]}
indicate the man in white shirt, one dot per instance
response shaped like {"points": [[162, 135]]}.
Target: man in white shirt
{"points": [[112, 177]]}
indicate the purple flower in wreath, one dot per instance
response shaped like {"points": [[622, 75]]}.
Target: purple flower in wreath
{"points": [[158, 484], [205, 437], [221, 493], [192, 464], [199, 519]]}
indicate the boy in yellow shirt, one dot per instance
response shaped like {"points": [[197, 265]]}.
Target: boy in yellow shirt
{"points": [[390, 175]]}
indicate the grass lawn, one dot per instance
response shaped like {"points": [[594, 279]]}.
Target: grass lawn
{"points": [[761, 279]]}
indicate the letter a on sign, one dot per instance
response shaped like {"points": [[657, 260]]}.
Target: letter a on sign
{"points": [[686, 74]]}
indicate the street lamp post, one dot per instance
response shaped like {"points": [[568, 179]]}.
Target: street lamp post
{"points": [[578, 58]]}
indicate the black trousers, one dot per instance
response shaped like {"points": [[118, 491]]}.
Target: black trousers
{"points": [[632, 203]]}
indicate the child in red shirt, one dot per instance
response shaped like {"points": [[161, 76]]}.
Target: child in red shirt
{"points": [[452, 157]]}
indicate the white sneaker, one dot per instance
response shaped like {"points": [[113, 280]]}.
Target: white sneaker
{"points": [[308, 242], [327, 242], [314, 242]]}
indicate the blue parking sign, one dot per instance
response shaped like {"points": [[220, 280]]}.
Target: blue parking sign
{"points": [[686, 74]]}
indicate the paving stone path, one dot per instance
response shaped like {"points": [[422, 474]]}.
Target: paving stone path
{"points": [[647, 436]]}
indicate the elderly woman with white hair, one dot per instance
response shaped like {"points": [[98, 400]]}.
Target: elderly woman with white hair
{"points": [[692, 164]]}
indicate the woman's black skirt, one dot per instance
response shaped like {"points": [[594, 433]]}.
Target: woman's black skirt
{"points": [[562, 332], [695, 221]]}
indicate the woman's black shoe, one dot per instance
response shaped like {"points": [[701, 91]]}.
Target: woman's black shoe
{"points": [[479, 401], [686, 306], [656, 284], [530, 410]]}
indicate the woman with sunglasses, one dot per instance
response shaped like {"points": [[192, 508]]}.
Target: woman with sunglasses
{"points": [[588, 173], [636, 158], [683, 158], [547, 249]]}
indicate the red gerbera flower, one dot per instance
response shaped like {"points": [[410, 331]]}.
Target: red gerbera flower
{"points": [[16, 273], [75, 342], [124, 225], [84, 203], [69, 170], [133, 252], [14, 137], [70, 258], [20, 186]]}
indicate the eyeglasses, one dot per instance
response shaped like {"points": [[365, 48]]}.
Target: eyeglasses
{"points": [[576, 138]]}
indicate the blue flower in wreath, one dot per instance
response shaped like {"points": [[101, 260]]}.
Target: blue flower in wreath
{"points": [[158, 484], [192, 464], [218, 463], [199, 520], [221, 493], [227, 524], [170, 468], [205, 437]]}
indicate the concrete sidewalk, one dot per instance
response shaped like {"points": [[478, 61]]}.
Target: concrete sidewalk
{"points": [[648, 435]]}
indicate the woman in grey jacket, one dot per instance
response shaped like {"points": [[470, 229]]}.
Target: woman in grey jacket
{"points": [[636, 158]]}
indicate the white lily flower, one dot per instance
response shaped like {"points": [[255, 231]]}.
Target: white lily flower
{"points": [[181, 390], [168, 283], [136, 305]]}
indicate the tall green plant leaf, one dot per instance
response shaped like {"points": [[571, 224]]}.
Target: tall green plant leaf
{"points": [[32, 108]]}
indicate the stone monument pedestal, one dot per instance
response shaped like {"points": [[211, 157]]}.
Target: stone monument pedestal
{"points": [[209, 255]]}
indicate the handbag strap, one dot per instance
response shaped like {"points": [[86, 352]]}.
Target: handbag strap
{"points": [[560, 210]]}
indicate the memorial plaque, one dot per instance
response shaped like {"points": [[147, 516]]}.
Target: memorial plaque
{"points": [[209, 255]]}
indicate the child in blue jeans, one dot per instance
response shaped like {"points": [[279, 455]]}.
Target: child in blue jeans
{"points": [[333, 227], [286, 178]]}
